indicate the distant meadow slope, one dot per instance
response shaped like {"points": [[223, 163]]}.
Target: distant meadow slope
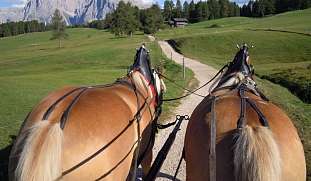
{"points": [[281, 55], [31, 66]]}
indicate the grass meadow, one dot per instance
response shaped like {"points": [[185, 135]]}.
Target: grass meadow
{"points": [[32, 65], [281, 56]]}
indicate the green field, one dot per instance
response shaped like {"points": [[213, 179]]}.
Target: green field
{"points": [[31, 66], [281, 54]]}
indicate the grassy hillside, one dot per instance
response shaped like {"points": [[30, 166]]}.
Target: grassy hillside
{"points": [[31, 66], [282, 56]]}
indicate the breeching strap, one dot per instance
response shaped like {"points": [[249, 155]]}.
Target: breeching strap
{"points": [[212, 151]]}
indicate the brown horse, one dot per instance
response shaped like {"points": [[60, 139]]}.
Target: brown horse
{"points": [[91, 133], [252, 138]]}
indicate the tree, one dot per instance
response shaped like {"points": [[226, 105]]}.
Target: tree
{"points": [[168, 9], [59, 27], [151, 19], [192, 12], [205, 10], [178, 10], [6, 30], [224, 8], [198, 12], [186, 10], [108, 20], [214, 9], [269, 6], [124, 21]]}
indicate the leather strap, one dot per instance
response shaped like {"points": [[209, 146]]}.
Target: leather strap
{"points": [[212, 152]]}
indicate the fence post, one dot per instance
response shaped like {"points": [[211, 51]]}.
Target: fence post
{"points": [[183, 67], [171, 55]]}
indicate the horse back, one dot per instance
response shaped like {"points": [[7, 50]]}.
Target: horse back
{"points": [[227, 111], [96, 119]]}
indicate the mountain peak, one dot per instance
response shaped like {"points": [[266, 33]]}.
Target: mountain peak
{"points": [[73, 11]]}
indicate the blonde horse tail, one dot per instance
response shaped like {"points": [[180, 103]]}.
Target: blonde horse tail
{"points": [[40, 158], [256, 155]]}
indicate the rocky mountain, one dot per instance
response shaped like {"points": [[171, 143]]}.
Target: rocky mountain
{"points": [[11, 14], [73, 11]]}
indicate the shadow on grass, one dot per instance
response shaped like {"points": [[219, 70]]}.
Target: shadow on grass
{"points": [[4, 160]]}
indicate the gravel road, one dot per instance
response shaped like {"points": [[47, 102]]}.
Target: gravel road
{"points": [[202, 73]]}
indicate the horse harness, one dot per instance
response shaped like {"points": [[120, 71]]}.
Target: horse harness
{"points": [[137, 117], [247, 85]]}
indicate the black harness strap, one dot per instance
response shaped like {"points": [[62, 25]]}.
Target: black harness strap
{"points": [[156, 166], [212, 151], [179, 163], [104, 147], [261, 116], [240, 124], [112, 169], [242, 121], [52, 107], [66, 113]]}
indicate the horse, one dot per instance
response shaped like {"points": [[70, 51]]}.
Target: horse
{"points": [[91, 132], [236, 133]]}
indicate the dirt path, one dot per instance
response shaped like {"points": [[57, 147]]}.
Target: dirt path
{"points": [[202, 73]]}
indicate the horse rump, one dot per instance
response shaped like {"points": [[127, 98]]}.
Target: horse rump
{"points": [[38, 152], [256, 155]]}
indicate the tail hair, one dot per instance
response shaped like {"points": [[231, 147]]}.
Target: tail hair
{"points": [[256, 155], [40, 158]]}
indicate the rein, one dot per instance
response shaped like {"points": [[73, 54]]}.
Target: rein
{"points": [[241, 123], [140, 109], [190, 92], [159, 160]]}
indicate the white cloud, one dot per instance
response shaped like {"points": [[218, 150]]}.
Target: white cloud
{"points": [[18, 3]]}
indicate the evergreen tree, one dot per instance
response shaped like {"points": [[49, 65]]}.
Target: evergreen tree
{"points": [[192, 12], [236, 10], [1, 31], [13, 28], [186, 10], [21, 27], [124, 21], [214, 9], [151, 19], [59, 27], [108, 20], [6, 30], [205, 10], [224, 8], [168, 9], [198, 12], [259, 9], [178, 10], [269, 6]]}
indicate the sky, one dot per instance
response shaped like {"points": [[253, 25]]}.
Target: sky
{"points": [[12, 3], [21, 3]]}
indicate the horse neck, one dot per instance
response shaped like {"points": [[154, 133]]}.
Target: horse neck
{"points": [[233, 80]]}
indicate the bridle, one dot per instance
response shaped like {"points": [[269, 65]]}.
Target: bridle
{"points": [[245, 85]]}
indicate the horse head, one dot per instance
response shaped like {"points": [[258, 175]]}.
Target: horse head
{"points": [[149, 76], [238, 70]]}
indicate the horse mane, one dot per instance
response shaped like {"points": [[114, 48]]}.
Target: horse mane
{"points": [[256, 155], [40, 158], [141, 83]]}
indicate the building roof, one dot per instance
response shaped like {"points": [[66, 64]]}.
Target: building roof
{"points": [[180, 20]]}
